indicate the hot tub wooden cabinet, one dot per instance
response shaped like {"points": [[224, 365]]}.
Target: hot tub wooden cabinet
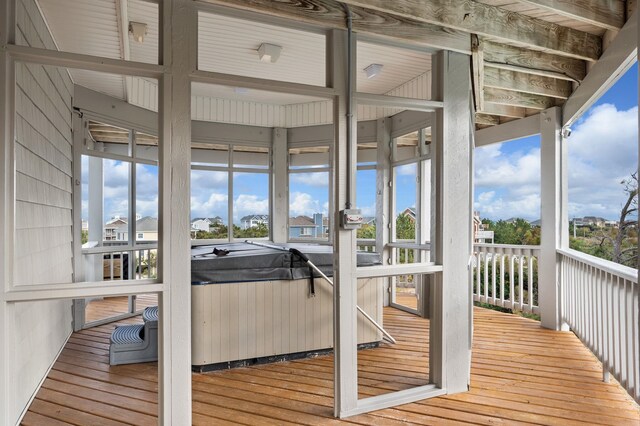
{"points": [[245, 321]]}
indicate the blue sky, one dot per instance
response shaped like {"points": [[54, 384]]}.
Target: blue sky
{"points": [[603, 150]]}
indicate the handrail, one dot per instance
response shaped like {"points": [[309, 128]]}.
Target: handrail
{"points": [[599, 301], [118, 249], [616, 269]]}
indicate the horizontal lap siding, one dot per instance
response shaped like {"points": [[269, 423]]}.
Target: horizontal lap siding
{"points": [[43, 232]]}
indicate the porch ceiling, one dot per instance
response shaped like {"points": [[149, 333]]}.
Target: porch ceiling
{"points": [[527, 55]]}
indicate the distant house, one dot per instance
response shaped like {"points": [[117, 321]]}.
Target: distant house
{"points": [[205, 223], [480, 235], [598, 222], [146, 230], [410, 212], [307, 227], [253, 220], [111, 227]]}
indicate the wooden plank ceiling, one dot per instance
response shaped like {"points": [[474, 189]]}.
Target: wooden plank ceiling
{"points": [[526, 55]]}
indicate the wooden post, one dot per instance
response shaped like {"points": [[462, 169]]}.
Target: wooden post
{"points": [[279, 186], [344, 241], [178, 56], [553, 190], [7, 206], [383, 214], [450, 346]]}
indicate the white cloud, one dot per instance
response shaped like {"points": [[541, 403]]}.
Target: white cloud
{"points": [[301, 203], [317, 179], [249, 204], [602, 152], [214, 205], [407, 170], [368, 210]]}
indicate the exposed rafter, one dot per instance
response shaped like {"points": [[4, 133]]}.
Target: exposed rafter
{"points": [[477, 68], [608, 14], [526, 83], [518, 99], [329, 13], [533, 62], [503, 110], [493, 22], [487, 120]]}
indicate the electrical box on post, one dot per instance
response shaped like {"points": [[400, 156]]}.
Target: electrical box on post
{"points": [[351, 219]]}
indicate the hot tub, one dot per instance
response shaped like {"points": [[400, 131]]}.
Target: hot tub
{"points": [[255, 304]]}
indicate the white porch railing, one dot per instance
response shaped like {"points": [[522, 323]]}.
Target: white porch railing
{"points": [[366, 244], [117, 261], [599, 301], [506, 276]]}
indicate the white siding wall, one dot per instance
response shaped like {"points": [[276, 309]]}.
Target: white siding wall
{"points": [[43, 206]]}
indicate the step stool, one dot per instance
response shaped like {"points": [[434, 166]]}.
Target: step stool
{"points": [[130, 344]]}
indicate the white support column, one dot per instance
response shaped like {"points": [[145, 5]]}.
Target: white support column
{"points": [[7, 182], [344, 244], [383, 206], [279, 186], [450, 315], [178, 43], [553, 200]]}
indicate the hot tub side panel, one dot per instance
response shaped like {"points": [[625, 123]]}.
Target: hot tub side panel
{"points": [[240, 321]]}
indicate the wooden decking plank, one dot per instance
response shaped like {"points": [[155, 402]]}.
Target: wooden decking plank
{"points": [[520, 373], [34, 419], [104, 386], [101, 409], [547, 391], [66, 414], [121, 401]]}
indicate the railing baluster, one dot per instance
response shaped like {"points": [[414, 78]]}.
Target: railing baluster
{"points": [[521, 282], [530, 281], [502, 284]]}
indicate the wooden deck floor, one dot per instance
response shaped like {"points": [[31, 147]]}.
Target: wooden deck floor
{"points": [[111, 306], [521, 374]]}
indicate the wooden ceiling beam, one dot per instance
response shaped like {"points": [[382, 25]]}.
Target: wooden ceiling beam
{"points": [[503, 110], [329, 13], [518, 99], [477, 68], [607, 14], [493, 22], [527, 83], [533, 62], [487, 120]]}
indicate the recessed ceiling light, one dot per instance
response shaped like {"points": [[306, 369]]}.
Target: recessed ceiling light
{"points": [[269, 52], [373, 70]]}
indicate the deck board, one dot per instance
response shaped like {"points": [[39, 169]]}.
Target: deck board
{"points": [[520, 374]]}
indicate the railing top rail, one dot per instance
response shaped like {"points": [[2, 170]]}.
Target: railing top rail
{"points": [[616, 269], [409, 245], [507, 249], [118, 249]]}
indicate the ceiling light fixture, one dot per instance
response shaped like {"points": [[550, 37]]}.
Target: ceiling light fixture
{"points": [[373, 70], [269, 52], [138, 30]]}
